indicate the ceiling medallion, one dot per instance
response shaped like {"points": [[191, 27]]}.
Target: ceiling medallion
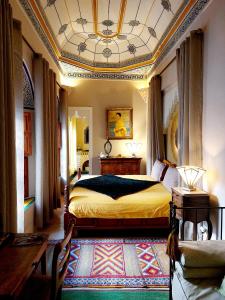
{"points": [[107, 41], [134, 23], [81, 21], [131, 48], [92, 36], [122, 37], [50, 2], [62, 28], [152, 31], [107, 32], [166, 4], [106, 52], [82, 47], [107, 23]]}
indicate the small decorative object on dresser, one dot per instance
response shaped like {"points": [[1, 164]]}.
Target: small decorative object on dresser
{"points": [[120, 165], [193, 200], [107, 147], [133, 148]]}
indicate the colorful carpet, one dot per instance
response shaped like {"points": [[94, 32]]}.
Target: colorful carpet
{"points": [[130, 263], [118, 295]]}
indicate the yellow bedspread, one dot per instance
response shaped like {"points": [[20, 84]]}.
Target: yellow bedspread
{"points": [[152, 202]]}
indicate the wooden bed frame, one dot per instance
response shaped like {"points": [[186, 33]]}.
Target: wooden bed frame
{"points": [[110, 224]]}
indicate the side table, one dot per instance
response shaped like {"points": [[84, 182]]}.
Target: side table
{"points": [[198, 199]]}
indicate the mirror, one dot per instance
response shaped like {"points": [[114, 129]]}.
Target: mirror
{"points": [[107, 147], [172, 136]]}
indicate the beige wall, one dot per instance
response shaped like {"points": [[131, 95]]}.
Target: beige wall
{"points": [[102, 94]]}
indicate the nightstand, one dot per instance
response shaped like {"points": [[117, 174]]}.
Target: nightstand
{"points": [[197, 198]]}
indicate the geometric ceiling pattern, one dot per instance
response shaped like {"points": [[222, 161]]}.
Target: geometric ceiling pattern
{"points": [[109, 33], [121, 38]]}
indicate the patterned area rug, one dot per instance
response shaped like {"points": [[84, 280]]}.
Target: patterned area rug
{"points": [[130, 263]]}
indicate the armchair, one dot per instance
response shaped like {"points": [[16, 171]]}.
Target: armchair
{"points": [[197, 267]]}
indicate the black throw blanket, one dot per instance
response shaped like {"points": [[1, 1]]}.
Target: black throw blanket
{"points": [[115, 186]]}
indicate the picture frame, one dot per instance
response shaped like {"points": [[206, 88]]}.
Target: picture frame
{"points": [[119, 123]]}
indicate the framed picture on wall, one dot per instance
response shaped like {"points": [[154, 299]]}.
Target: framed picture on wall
{"points": [[119, 123]]}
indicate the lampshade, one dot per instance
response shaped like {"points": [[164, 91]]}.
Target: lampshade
{"points": [[190, 175], [133, 148]]}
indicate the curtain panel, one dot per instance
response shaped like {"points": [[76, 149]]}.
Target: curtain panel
{"points": [[46, 122], [8, 203], [19, 121], [157, 149], [64, 151], [190, 90]]}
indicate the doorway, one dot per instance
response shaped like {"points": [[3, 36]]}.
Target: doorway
{"points": [[80, 140]]}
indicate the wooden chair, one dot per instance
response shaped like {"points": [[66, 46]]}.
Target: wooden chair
{"points": [[50, 287]]}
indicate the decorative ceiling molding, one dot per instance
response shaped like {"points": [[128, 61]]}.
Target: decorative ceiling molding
{"points": [[123, 4], [96, 75], [184, 16], [101, 65], [194, 12]]}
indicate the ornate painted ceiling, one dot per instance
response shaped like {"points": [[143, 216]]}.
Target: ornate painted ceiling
{"points": [[108, 36]]}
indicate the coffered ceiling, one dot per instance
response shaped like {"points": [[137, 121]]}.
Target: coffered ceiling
{"points": [[108, 36]]}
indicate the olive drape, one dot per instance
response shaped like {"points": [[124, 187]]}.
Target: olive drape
{"points": [[157, 149], [64, 151], [7, 122], [11, 122], [46, 122], [190, 90]]}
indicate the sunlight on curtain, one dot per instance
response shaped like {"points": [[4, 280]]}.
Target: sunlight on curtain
{"points": [[72, 145], [19, 125]]}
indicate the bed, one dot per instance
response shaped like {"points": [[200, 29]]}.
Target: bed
{"points": [[90, 210]]}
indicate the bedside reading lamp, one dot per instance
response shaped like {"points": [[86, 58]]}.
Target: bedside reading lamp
{"points": [[190, 175]]}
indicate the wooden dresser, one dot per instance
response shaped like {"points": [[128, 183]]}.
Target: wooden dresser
{"points": [[120, 165]]}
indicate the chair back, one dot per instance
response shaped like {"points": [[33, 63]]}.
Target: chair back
{"points": [[61, 256]]}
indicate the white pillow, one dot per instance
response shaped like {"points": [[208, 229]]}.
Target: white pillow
{"points": [[158, 170], [171, 178]]}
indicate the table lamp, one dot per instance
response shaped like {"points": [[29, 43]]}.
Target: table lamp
{"points": [[133, 148], [190, 175]]}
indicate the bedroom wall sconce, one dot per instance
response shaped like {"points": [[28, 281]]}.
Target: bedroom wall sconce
{"points": [[133, 148], [190, 175]]}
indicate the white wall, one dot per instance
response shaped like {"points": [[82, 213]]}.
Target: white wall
{"points": [[214, 101]]}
